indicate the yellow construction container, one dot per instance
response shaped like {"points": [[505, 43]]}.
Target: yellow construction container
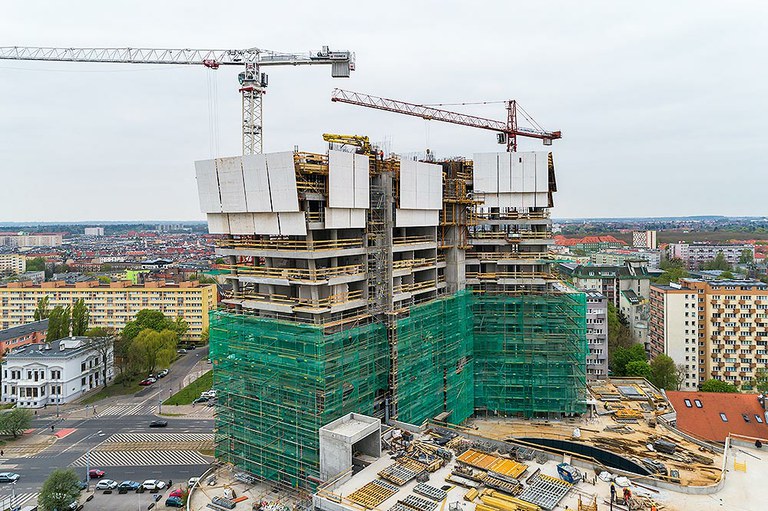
{"points": [[471, 494]]}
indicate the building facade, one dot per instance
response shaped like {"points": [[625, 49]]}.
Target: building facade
{"points": [[407, 289], [13, 263], [18, 336], [674, 331], [617, 257], [597, 335], [111, 305], [48, 374], [694, 255], [644, 239], [94, 231], [732, 328], [23, 240]]}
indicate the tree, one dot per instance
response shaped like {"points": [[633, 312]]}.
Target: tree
{"points": [[180, 327], [746, 257], [80, 317], [202, 278], [619, 333], [718, 263], [718, 386], [102, 339], [124, 361], [59, 490], [726, 275], [42, 312], [60, 268], [664, 373], [639, 368], [621, 358], [58, 323], [148, 319], [154, 349], [36, 264], [15, 422], [760, 381], [204, 336]]}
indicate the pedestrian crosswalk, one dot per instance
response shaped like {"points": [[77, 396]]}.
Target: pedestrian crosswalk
{"points": [[140, 458], [9, 502], [160, 437], [123, 410]]}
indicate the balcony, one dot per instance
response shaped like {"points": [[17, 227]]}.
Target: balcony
{"points": [[290, 245], [296, 274], [301, 304], [509, 275]]}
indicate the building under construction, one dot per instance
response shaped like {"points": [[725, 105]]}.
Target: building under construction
{"points": [[395, 288]]}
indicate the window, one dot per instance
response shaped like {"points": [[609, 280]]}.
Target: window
{"points": [[759, 419], [723, 417], [745, 417], [698, 403], [688, 403]]}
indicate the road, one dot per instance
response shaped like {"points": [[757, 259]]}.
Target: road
{"points": [[128, 417]]}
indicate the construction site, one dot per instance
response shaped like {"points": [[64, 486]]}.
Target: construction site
{"points": [[398, 288]]}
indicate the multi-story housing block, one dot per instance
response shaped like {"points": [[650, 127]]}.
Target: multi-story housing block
{"points": [[54, 373], [644, 239], [674, 331], [597, 335], [18, 336], [694, 255], [111, 305], [618, 256], [13, 263]]}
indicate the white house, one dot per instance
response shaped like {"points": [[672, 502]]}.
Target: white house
{"points": [[58, 372]]}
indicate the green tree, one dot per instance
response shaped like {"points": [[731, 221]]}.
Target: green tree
{"points": [[60, 268], [80, 318], [746, 257], [154, 349], [100, 331], [103, 279], [664, 373], [718, 386], [36, 264], [674, 270], [760, 381], [106, 267], [59, 322], [42, 311], [619, 333], [59, 490], [621, 358], [718, 263], [15, 422], [125, 361], [726, 275], [204, 336], [148, 319], [639, 368]]}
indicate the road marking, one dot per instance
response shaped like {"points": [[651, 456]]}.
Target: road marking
{"points": [[141, 458], [64, 432], [159, 437], [7, 502]]}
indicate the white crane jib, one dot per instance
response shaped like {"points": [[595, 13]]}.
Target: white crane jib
{"points": [[253, 82]]}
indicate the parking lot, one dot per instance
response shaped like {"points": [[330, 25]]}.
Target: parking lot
{"points": [[130, 501]]}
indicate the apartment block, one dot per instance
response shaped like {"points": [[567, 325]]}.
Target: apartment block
{"points": [[18, 336], [24, 240], [384, 286], [732, 327], [111, 305], [644, 239], [94, 231], [13, 263], [597, 335], [674, 331], [694, 255], [617, 257]]}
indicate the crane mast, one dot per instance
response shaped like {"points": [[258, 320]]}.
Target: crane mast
{"points": [[253, 82], [507, 131]]}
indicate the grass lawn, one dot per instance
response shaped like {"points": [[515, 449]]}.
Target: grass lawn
{"points": [[192, 391], [116, 389]]}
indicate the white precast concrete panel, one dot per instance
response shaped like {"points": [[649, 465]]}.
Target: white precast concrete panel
{"points": [[357, 218], [256, 180], [230, 173], [505, 172], [435, 186], [337, 218], [341, 179], [542, 171], [292, 224], [362, 181], [241, 223], [517, 172], [207, 186], [265, 223], [529, 172], [282, 182], [408, 184], [416, 218], [486, 172], [218, 223]]}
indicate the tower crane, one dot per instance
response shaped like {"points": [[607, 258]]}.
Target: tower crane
{"points": [[507, 132], [253, 83]]}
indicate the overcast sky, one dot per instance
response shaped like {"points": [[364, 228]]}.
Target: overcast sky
{"points": [[662, 104]]}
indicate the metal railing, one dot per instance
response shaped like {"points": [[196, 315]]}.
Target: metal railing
{"points": [[302, 274], [291, 245]]}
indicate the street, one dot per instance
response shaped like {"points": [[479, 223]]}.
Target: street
{"points": [[117, 439]]}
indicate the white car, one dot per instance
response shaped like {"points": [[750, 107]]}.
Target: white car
{"points": [[153, 484], [192, 481], [106, 484], [210, 394]]}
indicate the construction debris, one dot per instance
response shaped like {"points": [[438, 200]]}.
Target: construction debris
{"points": [[373, 494]]}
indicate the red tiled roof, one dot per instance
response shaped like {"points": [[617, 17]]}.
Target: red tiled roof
{"points": [[705, 422]]}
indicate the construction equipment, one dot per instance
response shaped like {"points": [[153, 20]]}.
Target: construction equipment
{"points": [[569, 473], [628, 413], [253, 83], [360, 141], [507, 131]]}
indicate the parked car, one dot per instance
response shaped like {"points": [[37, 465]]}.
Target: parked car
{"points": [[106, 484], [182, 351], [174, 502], [192, 481], [163, 373], [147, 381], [178, 492], [158, 424], [153, 484], [208, 393], [128, 485], [9, 477], [191, 347], [82, 485], [201, 399], [95, 473]]}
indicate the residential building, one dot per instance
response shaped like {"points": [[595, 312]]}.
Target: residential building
{"points": [[54, 373], [25, 240], [694, 255], [674, 330], [111, 305], [94, 231], [388, 287], [610, 280], [618, 256], [713, 416], [590, 244], [597, 335], [636, 309], [732, 327], [15, 337], [13, 263], [644, 239]]}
